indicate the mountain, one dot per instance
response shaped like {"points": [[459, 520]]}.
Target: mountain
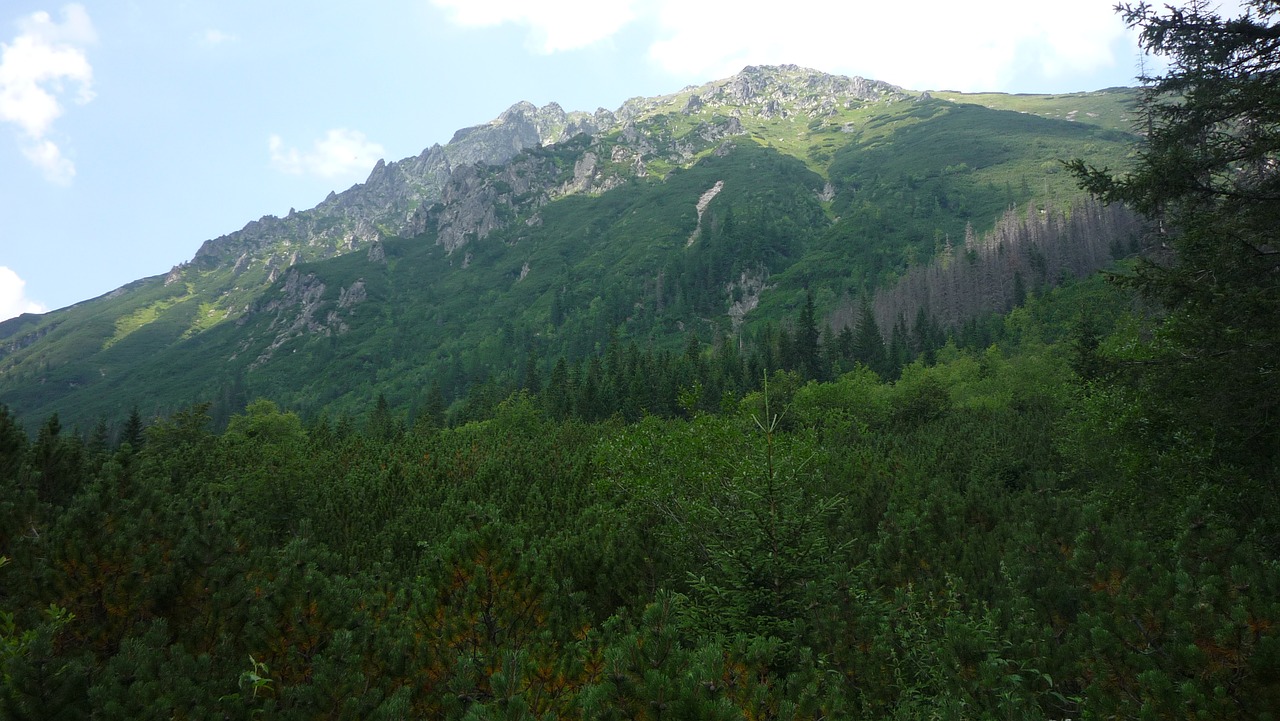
{"points": [[710, 213]]}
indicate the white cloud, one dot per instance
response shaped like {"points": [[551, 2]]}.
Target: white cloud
{"points": [[13, 299], [554, 25], [975, 45], [35, 71], [45, 155], [939, 44], [340, 153], [214, 37]]}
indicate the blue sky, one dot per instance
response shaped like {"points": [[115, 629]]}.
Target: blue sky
{"points": [[133, 130]]}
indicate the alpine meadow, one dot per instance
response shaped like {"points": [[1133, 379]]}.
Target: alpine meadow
{"points": [[785, 396]]}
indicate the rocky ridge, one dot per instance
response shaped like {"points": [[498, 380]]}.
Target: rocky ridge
{"points": [[396, 197], [504, 171], [386, 203]]}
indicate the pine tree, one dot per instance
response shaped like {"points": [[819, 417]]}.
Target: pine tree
{"points": [[807, 342], [382, 422], [1085, 340], [846, 341], [728, 363], [899, 348], [557, 396], [12, 439], [926, 336], [57, 461], [1019, 290], [530, 380], [1208, 181], [132, 433], [868, 345], [434, 407], [788, 358]]}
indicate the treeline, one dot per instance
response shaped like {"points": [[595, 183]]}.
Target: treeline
{"points": [[631, 383], [975, 540]]}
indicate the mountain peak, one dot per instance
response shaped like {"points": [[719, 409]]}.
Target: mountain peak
{"points": [[785, 83], [344, 220], [770, 91]]}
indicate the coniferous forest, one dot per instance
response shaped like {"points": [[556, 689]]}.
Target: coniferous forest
{"points": [[1052, 503]]}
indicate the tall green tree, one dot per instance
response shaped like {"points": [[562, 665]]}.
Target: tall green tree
{"points": [[13, 445], [1207, 178], [808, 342], [132, 433], [434, 407], [868, 343]]}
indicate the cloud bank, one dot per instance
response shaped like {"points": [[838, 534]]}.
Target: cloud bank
{"points": [[13, 298], [42, 69], [340, 153], [976, 45]]}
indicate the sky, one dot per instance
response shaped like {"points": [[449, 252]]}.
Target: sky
{"points": [[131, 131]]}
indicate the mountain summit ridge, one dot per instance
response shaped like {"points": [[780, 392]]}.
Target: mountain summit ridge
{"points": [[368, 211]]}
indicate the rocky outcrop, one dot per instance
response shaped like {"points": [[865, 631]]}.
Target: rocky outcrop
{"points": [[703, 201], [774, 90], [744, 295], [300, 309], [12, 341], [296, 310], [828, 193], [354, 295], [469, 208], [768, 91]]}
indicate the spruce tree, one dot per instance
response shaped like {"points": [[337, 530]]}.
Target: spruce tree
{"points": [[13, 445], [807, 342], [1208, 181], [434, 407], [530, 379], [132, 433], [868, 345], [557, 397]]}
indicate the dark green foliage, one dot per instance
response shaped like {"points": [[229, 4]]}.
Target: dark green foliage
{"points": [[56, 461], [958, 543], [431, 415], [1085, 340], [132, 431], [13, 445], [808, 357], [1208, 183], [868, 342]]}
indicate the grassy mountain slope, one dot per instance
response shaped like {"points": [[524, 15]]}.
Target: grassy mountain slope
{"points": [[710, 211]]}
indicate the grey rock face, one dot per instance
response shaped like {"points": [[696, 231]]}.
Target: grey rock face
{"points": [[354, 295], [771, 91], [457, 190], [388, 198]]}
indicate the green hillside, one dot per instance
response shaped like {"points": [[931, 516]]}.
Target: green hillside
{"points": [[564, 249]]}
